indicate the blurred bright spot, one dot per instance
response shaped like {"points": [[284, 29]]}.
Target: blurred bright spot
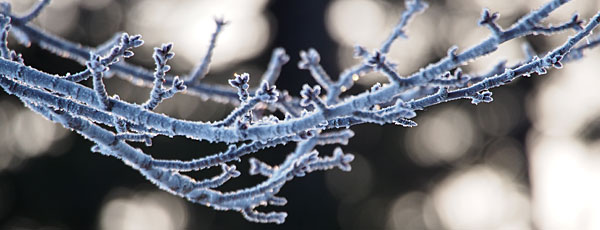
{"points": [[406, 212], [565, 168], [351, 186], [430, 216], [481, 198], [568, 99], [565, 183], [32, 133], [59, 18], [190, 24], [441, 137], [357, 21], [144, 210], [26, 134]]}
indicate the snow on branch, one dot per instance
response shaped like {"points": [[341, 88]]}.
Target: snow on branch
{"points": [[311, 119]]}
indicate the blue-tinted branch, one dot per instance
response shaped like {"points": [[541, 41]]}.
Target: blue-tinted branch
{"points": [[136, 137], [310, 96], [575, 24], [122, 49], [201, 131], [310, 120], [5, 27], [278, 59], [577, 52], [266, 94], [158, 94], [232, 153], [413, 7], [97, 71], [478, 91], [35, 11], [310, 61], [27, 33], [200, 71]]}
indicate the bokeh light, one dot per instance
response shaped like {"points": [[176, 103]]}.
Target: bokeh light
{"points": [[32, 133], [565, 102], [356, 21], [481, 198], [564, 166], [406, 212], [565, 184], [442, 136], [190, 28], [59, 17], [26, 134], [143, 210]]}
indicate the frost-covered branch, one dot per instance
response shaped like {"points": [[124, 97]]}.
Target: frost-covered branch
{"points": [[201, 70], [311, 119]]}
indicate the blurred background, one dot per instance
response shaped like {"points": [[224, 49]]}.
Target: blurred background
{"points": [[529, 160]]}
